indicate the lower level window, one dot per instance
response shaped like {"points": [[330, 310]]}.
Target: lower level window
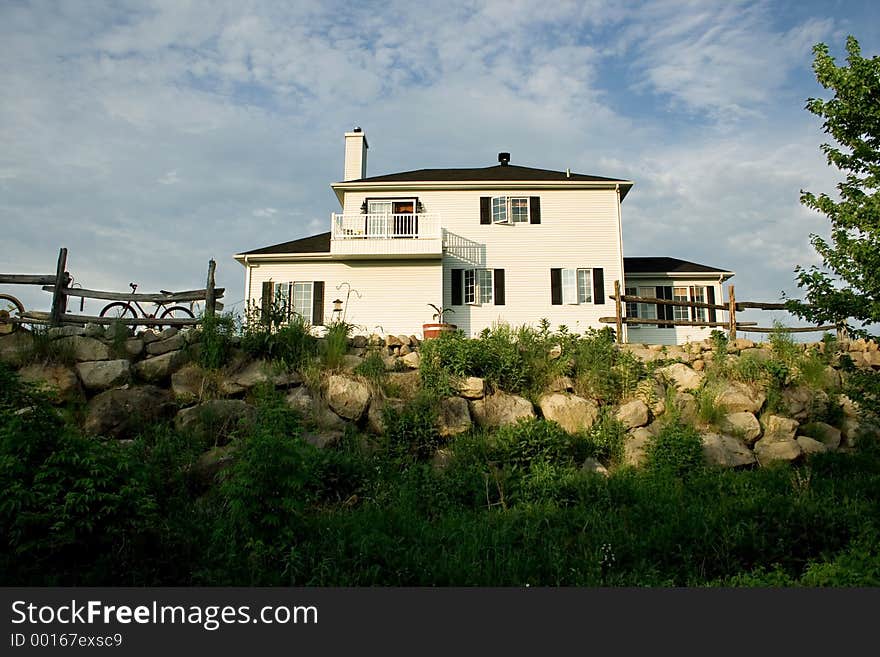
{"points": [[680, 313], [477, 286], [577, 286], [295, 298]]}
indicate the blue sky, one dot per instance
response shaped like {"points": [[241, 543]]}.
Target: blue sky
{"points": [[148, 137]]}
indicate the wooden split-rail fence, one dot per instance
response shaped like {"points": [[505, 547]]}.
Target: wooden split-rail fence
{"points": [[732, 307], [59, 284]]}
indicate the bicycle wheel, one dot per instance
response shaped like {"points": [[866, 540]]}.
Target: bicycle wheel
{"points": [[10, 308], [177, 312], [118, 310]]}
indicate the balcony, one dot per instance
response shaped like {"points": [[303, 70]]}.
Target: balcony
{"points": [[386, 235]]}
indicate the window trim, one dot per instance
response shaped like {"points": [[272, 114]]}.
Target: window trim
{"points": [[288, 288], [478, 275], [508, 215], [570, 286]]}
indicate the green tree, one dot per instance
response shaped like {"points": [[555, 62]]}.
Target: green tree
{"points": [[848, 286]]}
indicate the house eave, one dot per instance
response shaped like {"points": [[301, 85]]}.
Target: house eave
{"points": [[341, 188], [695, 275]]}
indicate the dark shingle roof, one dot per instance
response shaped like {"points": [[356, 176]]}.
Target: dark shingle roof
{"points": [[314, 244], [498, 172], [663, 265]]}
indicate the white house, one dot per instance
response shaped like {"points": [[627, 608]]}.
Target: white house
{"points": [[503, 243]]}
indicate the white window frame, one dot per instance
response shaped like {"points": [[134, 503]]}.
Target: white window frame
{"points": [[287, 293], [648, 310], [478, 286], [503, 210], [577, 286], [699, 294], [681, 313]]}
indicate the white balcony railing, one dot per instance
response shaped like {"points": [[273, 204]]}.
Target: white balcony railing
{"points": [[385, 226]]}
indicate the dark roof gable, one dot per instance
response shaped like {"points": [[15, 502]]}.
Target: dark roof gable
{"points": [[508, 172], [314, 244], [652, 265]]}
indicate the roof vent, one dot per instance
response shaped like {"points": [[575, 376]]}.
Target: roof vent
{"points": [[504, 158], [357, 129]]}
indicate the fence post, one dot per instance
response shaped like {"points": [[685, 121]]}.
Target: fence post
{"points": [[210, 301], [59, 299], [731, 298], [618, 312]]}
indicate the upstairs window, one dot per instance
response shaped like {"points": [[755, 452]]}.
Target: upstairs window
{"points": [[510, 210]]}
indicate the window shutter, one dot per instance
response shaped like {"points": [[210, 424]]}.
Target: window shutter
{"points": [[498, 285], [710, 298], [556, 287], [598, 285], [266, 303], [318, 303], [535, 209], [485, 209], [457, 284]]}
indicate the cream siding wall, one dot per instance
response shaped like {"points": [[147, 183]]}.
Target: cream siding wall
{"points": [[579, 229], [677, 334], [393, 294]]}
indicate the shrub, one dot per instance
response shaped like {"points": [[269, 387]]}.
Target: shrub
{"points": [[271, 336], [411, 433], [372, 368], [603, 371], [676, 450], [606, 438], [335, 344], [217, 335]]}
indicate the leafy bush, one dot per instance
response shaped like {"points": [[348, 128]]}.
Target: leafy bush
{"points": [[334, 345], [411, 434], [676, 450], [603, 371], [372, 368], [216, 342], [606, 438], [273, 337]]}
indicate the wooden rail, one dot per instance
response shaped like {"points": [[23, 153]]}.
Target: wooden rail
{"points": [[732, 307], [59, 285]]}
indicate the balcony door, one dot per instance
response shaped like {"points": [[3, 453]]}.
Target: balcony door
{"points": [[392, 218]]}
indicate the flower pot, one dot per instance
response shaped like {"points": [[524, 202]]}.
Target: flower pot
{"points": [[434, 330]]}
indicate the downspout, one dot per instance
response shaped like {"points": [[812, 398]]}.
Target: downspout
{"points": [[247, 286], [625, 337]]}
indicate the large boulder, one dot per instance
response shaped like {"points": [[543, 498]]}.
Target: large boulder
{"points": [[159, 368], [212, 463], [347, 397], [412, 360], [810, 445], [259, 372], [800, 402], [190, 383], [633, 414], [684, 378], [635, 446], [85, 349], [472, 387], [404, 384], [103, 374], [778, 443], [124, 412], [726, 451], [453, 417], [500, 409], [313, 410], [173, 343], [572, 413], [58, 381], [212, 422], [742, 424], [737, 397], [15, 347], [824, 433]]}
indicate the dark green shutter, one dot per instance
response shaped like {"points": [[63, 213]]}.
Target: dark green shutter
{"points": [[556, 287], [664, 311], [457, 283], [485, 210], [598, 285], [318, 303], [710, 298], [535, 209], [266, 302], [498, 285]]}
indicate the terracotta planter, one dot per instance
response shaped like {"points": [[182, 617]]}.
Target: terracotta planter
{"points": [[434, 330]]}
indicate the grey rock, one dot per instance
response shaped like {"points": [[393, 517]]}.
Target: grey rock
{"points": [[635, 447], [159, 368], [212, 422], [633, 414], [743, 425], [572, 413], [500, 409], [411, 360], [347, 397], [472, 387], [58, 381], [811, 445], [211, 463], [824, 433], [738, 397], [85, 349], [726, 451], [453, 417], [593, 466], [104, 374], [125, 412], [172, 343], [684, 378], [93, 331]]}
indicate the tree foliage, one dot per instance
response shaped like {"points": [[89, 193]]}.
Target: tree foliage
{"points": [[848, 286]]}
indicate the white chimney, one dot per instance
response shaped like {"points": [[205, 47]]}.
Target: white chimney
{"points": [[355, 155]]}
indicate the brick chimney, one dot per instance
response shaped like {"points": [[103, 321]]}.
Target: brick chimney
{"points": [[355, 155]]}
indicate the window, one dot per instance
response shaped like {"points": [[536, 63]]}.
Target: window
{"points": [[647, 310], [680, 313], [478, 286], [391, 218], [577, 286], [294, 298], [632, 307], [698, 293], [510, 210]]}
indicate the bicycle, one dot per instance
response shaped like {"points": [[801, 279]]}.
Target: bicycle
{"points": [[124, 309], [10, 309]]}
